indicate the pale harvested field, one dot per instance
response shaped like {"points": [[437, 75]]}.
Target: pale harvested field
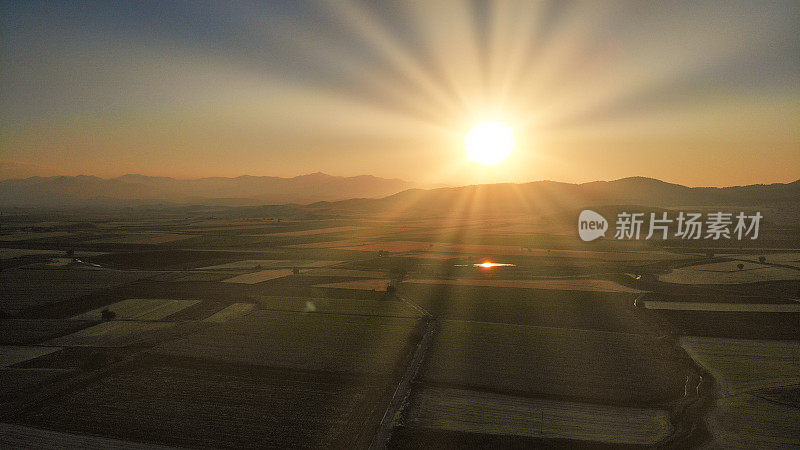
{"points": [[340, 306], [13, 354], [144, 239], [742, 365], [231, 312], [727, 273], [337, 343], [28, 235], [310, 232], [554, 284], [252, 264], [740, 418], [489, 413], [258, 277], [113, 334], [333, 272], [19, 436], [140, 308], [740, 307], [375, 284]]}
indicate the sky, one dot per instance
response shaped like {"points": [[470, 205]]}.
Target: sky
{"points": [[696, 93]]}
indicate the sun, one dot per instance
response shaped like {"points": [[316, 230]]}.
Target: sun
{"points": [[489, 143]]}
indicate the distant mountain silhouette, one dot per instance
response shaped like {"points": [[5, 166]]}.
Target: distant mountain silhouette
{"points": [[326, 194], [545, 197], [128, 190]]}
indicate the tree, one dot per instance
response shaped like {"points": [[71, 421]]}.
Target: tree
{"points": [[762, 259], [740, 266]]}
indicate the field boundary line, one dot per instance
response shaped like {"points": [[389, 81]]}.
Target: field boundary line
{"points": [[403, 389]]}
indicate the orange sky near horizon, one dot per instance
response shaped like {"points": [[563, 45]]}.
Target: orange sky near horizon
{"points": [[700, 94]]}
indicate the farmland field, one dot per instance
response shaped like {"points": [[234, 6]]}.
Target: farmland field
{"points": [[231, 312], [446, 409], [741, 307], [570, 285], [340, 306], [260, 276], [201, 276], [10, 253], [743, 416], [728, 273], [254, 264], [376, 284], [333, 272], [140, 308], [788, 259], [20, 382], [27, 288], [144, 239], [628, 370], [238, 331], [114, 334], [195, 405], [25, 236], [312, 231], [12, 354], [741, 365], [34, 331], [18, 436], [341, 343], [609, 311]]}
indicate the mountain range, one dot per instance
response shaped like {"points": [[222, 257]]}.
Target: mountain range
{"points": [[320, 193], [131, 190], [544, 198]]}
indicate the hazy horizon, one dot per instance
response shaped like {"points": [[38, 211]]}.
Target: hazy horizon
{"points": [[4, 177]]}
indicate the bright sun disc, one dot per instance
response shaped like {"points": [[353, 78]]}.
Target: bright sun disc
{"points": [[489, 143]]}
